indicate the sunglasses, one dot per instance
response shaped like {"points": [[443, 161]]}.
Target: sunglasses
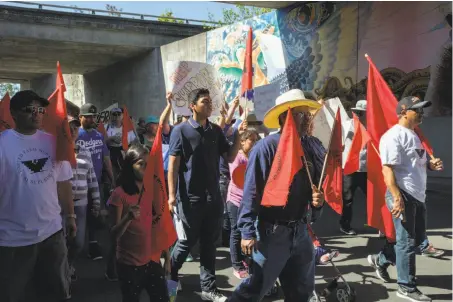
{"points": [[116, 114], [34, 109]]}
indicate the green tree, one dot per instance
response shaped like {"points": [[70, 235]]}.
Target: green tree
{"points": [[167, 17], [113, 10], [237, 14], [8, 87]]}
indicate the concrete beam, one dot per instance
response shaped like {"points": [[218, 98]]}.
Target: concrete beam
{"points": [[137, 83]]}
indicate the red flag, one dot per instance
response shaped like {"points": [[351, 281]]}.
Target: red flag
{"points": [[6, 120], [56, 123], [287, 162], [425, 142], [127, 127], [359, 141], [247, 72], [381, 116], [101, 129], [163, 232], [333, 183]]}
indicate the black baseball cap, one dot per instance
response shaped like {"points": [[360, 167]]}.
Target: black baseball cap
{"points": [[411, 102], [23, 98], [72, 119], [88, 109]]}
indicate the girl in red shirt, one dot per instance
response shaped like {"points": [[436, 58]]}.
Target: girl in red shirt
{"points": [[138, 263]]}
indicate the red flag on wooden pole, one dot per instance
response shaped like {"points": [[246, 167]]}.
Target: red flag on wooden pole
{"points": [[333, 183], [6, 120], [287, 162], [56, 123], [127, 127], [163, 231], [247, 72], [359, 141]]}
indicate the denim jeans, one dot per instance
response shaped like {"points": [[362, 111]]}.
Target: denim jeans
{"points": [[223, 185], [75, 246], [284, 252], [200, 222], [235, 238], [409, 235]]}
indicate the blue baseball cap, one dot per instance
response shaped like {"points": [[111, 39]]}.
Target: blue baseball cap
{"points": [[152, 119]]}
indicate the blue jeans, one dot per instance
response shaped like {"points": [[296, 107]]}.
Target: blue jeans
{"points": [[284, 252], [75, 245], [235, 237], [409, 236]]}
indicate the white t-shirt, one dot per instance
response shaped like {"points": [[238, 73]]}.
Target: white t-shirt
{"points": [[118, 132], [29, 207], [402, 148]]}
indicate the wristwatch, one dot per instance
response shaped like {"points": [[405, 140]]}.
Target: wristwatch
{"points": [[71, 216]]}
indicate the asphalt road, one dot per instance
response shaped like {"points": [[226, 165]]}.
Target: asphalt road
{"points": [[434, 275]]}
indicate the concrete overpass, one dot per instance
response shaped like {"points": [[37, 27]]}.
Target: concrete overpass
{"points": [[115, 57]]}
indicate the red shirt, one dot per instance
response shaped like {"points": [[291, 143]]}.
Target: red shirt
{"points": [[135, 245]]}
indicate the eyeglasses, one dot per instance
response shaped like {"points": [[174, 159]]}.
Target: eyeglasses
{"points": [[34, 109]]}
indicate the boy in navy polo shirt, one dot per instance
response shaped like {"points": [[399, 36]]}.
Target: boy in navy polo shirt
{"points": [[194, 195]]}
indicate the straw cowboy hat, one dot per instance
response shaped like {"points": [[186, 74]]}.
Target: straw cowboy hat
{"points": [[290, 99]]}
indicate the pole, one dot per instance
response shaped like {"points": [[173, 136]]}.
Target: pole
{"points": [[327, 154]]}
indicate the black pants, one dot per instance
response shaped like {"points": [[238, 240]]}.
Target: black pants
{"points": [[201, 220], [46, 262], [350, 184], [149, 277]]}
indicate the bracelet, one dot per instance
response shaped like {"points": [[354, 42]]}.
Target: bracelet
{"points": [[71, 216]]}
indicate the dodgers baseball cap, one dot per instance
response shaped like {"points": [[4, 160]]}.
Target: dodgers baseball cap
{"points": [[23, 98], [88, 109], [411, 102]]}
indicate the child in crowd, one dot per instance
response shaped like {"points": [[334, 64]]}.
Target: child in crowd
{"points": [[234, 197], [138, 262]]}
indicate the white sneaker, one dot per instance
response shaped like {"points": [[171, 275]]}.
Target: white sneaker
{"points": [[214, 296]]}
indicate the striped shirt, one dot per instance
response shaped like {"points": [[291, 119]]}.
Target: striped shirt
{"points": [[84, 179]]}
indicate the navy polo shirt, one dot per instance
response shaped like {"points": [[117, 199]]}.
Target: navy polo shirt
{"points": [[257, 173], [200, 150]]}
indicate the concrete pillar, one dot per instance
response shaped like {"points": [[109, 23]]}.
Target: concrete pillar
{"points": [[44, 86], [137, 83], [75, 88]]}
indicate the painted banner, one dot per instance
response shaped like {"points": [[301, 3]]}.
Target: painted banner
{"points": [[264, 99], [104, 115], [323, 124], [185, 76]]}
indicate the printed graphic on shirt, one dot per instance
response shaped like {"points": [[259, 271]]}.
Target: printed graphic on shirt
{"points": [[34, 166], [94, 146], [420, 152]]}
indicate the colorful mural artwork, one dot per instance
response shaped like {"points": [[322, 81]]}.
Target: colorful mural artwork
{"points": [[321, 46], [226, 51]]}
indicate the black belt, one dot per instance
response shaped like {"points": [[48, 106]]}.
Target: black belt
{"points": [[288, 223], [76, 199]]}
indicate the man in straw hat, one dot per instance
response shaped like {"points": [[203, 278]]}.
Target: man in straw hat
{"points": [[276, 237]]}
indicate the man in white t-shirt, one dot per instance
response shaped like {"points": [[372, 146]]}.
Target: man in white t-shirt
{"points": [[33, 184], [114, 132], [404, 161]]}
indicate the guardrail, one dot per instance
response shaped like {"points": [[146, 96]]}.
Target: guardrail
{"points": [[118, 14]]}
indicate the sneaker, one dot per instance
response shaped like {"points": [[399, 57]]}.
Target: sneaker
{"points": [[73, 274], [94, 251], [241, 273], [348, 231], [213, 295], [381, 272], [415, 296], [111, 277], [431, 251], [189, 258]]}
